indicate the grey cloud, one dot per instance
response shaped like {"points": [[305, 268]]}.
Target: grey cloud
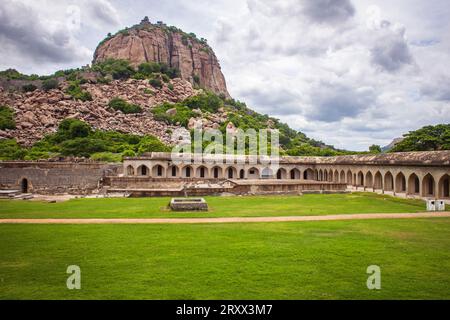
{"points": [[391, 53], [331, 103], [22, 29], [102, 11], [273, 102], [329, 11], [439, 89]]}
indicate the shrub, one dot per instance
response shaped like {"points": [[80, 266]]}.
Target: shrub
{"points": [[6, 118], [148, 91], [76, 92], [151, 144], [205, 102], [103, 80], [125, 107], [149, 69], [196, 79], [107, 157], [29, 87], [79, 129], [82, 147], [165, 78], [156, 83], [11, 150], [71, 129], [170, 86], [50, 84], [128, 153], [182, 116], [119, 69]]}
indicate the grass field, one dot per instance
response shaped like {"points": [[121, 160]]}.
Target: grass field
{"points": [[310, 260], [314, 260], [220, 207]]}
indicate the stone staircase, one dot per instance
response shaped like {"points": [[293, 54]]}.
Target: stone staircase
{"points": [[14, 195]]}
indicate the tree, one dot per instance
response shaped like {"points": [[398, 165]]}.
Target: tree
{"points": [[429, 138], [375, 149]]}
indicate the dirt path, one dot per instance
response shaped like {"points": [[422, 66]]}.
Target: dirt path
{"points": [[231, 220]]}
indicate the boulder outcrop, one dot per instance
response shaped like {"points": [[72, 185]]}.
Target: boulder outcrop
{"points": [[149, 42]]}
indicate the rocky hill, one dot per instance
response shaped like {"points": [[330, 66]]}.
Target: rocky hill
{"points": [[145, 83], [39, 113], [147, 42]]}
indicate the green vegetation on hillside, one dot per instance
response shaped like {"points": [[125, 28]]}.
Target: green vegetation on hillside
{"points": [[292, 142], [429, 138], [186, 38], [7, 118], [77, 139], [125, 107], [77, 93], [50, 84], [122, 69]]}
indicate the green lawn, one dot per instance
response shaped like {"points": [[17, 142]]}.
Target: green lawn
{"points": [[220, 207], [313, 260]]}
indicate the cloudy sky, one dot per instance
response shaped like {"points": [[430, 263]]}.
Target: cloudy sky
{"points": [[349, 72]]}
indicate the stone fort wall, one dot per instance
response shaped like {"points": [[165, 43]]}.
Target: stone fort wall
{"points": [[55, 177]]}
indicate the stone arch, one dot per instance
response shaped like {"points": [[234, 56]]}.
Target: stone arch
{"points": [[143, 171], [400, 183], [316, 175], [158, 171], [231, 173], [428, 186], [202, 172], [355, 182], [360, 181], [414, 184], [187, 172], [281, 174], [342, 177], [336, 176], [369, 180], [378, 181], [253, 173], [130, 171], [295, 174], [173, 171], [349, 177], [330, 176], [388, 181], [216, 173], [320, 177], [242, 174], [309, 174], [444, 187], [24, 185]]}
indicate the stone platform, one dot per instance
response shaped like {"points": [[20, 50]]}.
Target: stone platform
{"points": [[188, 204]]}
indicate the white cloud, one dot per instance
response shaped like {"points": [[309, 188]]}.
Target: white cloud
{"points": [[350, 73]]}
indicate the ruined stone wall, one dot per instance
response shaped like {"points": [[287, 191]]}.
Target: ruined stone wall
{"points": [[55, 177]]}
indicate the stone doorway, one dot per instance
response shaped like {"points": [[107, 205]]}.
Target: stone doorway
{"points": [[24, 186]]}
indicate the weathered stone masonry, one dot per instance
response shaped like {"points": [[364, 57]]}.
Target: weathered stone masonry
{"points": [[54, 177], [416, 175]]}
